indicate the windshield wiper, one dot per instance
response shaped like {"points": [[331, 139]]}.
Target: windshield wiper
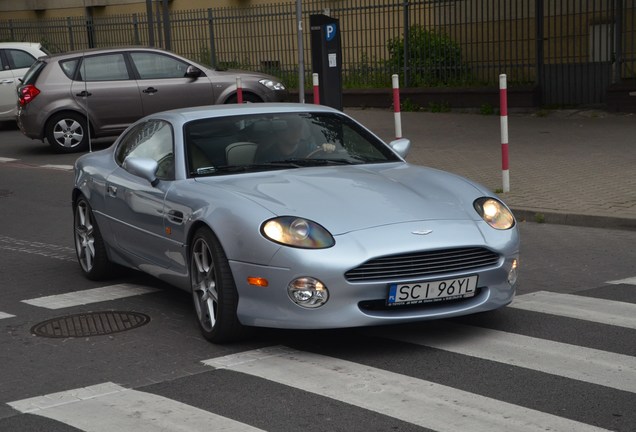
{"points": [[280, 164], [229, 169], [318, 161]]}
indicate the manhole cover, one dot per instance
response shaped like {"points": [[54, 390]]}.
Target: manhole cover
{"points": [[90, 324]]}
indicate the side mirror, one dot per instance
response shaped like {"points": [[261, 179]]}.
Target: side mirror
{"points": [[401, 146], [145, 168], [193, 72]]}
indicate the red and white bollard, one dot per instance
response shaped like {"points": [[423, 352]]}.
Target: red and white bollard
{"points": [[239, 90], [503, 112], [396, 105], [316, 84]]}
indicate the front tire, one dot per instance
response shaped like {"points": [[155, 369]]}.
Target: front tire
{"points": [[67, 132], [89, 245], [213, 289]]}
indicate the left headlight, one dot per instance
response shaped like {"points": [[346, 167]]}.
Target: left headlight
{"points": [[272, 85], [495, 213], [297, 232]]}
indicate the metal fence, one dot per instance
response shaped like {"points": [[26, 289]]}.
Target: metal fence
{"points": [[572, 49]]}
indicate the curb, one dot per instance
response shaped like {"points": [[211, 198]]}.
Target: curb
{"points": [[590, 221]]}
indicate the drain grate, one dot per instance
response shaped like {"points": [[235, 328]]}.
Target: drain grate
{"points": [[90, 324], [5, 193]]}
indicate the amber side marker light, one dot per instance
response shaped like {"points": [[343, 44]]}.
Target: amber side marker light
{"points": [[257, 281]]}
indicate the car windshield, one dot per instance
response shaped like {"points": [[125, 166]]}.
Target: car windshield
{"points": [[259, 142]]}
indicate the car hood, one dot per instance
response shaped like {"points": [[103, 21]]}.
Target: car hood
{"points": [[345, 199]]}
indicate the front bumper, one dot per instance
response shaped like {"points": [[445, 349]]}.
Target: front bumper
{"points": [[354, 304]]}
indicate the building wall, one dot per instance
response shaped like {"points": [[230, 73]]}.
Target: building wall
{"points": [[30, 9]]}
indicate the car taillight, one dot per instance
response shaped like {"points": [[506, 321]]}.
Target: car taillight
{"points": [[27, 93]]}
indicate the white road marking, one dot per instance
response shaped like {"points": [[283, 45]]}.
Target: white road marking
{"points": [[5, 315], [573, 306], [583, 364], [58, 167], [424, 403], [89, 296], [627, 281], [3, 159], [108, 407]]}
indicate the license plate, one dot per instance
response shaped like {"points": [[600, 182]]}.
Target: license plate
{"points": [[423, 292]]}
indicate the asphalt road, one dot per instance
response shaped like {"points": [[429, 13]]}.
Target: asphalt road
{"points": [[536, 365]]}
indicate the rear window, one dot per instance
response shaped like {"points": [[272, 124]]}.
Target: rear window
{"points": [[34, 71]]}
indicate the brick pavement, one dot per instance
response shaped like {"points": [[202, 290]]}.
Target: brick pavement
{"points": [[567, 166]]}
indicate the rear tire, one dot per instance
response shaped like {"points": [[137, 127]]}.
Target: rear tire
{"points": [[213, 289], [67, 132]]}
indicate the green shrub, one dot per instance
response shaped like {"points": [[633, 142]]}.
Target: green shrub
{"points": [[434, 58]]}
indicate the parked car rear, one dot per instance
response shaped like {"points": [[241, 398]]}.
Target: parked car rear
{"points": [[15, 60], [69, 98]]}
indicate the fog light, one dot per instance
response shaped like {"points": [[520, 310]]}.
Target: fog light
{"points": [[308, 292], [512, 274]]}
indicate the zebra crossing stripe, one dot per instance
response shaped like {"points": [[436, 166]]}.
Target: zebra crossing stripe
{"points": [[423, 403], [107, 407], [626, 281], [89, 296], [58, 167], [583, 364], [5, 315], [573, 306]]}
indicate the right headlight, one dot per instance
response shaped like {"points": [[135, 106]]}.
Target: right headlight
{"points": [[297, 232], [495, 213]]}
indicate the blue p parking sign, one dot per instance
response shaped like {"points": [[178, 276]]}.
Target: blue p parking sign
{"points": [[330, 31]]}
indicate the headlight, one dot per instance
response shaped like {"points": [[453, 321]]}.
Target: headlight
{"points": [[272, 85], [297, 232], [495, 213]]}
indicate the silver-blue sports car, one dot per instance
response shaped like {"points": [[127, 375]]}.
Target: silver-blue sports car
{"points": [[291, 216]]}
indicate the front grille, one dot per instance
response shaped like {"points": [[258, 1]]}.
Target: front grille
{"points": [[423, 264]]}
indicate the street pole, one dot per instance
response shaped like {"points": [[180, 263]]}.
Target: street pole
{"points": [[301, 53]]}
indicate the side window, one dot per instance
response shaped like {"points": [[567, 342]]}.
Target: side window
{"points": [[21, 59], [154, 66], [152, 139], [108, 67], [3, 63], [69, 66]]}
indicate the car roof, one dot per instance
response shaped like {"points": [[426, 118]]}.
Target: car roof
{"points": [[75, 53], [185, 115], [36, 45]]}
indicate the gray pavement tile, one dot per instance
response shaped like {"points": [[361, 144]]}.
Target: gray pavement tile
{"points": [[574, 167]]}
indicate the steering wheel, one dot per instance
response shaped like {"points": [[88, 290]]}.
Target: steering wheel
{"points": [[322, 148]]}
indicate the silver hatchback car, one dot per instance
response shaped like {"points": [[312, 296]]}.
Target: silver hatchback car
{"points": [[69, 98]]}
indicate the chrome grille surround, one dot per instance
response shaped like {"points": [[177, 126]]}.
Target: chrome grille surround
{"points": [[417, 265]]}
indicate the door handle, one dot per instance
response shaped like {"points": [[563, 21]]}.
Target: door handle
{"points": [[6, 81], [150, 90], [83, 93]]}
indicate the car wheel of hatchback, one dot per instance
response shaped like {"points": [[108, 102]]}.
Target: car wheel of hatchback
{"points": [[67, 132]]}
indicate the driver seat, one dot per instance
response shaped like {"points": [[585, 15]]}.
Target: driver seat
{"points": [[240, 153]]}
